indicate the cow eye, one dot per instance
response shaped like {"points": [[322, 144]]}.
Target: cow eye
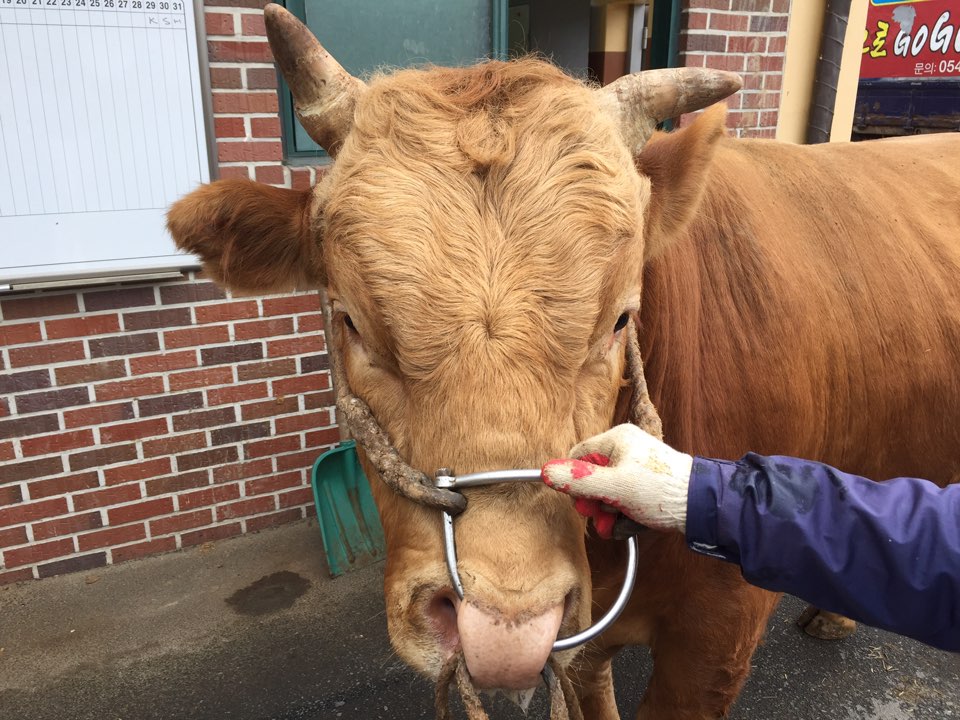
{"points": [[348, 321], [621, 322]]}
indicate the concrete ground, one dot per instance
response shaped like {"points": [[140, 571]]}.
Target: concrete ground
{"points": [[252, 628]]}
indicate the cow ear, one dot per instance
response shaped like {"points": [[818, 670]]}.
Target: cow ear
{"points": [[677, 164], [250, 237]]}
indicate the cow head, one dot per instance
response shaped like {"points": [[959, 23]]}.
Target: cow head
{"points": [[481, 236]]}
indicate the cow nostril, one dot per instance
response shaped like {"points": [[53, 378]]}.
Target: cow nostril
{"points": [[442, 612]]}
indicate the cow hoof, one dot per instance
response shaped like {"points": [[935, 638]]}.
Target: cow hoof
{"points": [[825, 625]]}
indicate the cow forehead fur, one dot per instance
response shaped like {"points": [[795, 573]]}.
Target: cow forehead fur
{"points": [[490, 211]]}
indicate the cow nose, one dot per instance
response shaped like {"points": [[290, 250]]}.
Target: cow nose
{"points": [[506, 653], [442, 612]]}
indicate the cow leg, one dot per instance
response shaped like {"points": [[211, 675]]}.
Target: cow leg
{"points": [[593, 680], [825, 625]]}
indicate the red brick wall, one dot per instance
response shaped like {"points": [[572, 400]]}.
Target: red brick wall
{"points": [[748, 37], [140, 419]]}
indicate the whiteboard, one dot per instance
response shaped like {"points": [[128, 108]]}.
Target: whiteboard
{"points": [[102, 127]]}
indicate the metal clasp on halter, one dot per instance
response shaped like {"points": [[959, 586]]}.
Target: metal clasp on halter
{"points": [[446, 480]]}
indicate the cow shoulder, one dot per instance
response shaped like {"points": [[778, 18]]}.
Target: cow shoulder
{"points": [[249, 236], [677, 165]]}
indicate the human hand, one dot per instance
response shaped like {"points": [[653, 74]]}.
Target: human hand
{"points": [[625, 470]]}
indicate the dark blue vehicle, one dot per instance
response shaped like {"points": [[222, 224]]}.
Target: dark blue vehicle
{"points": [[906, 106]]}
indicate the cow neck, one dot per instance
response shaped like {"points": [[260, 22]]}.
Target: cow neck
{"points": [[414, 484]]}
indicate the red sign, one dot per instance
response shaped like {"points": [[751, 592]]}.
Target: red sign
{"points": [[911, 39]]}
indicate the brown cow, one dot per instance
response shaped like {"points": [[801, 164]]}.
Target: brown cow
{"points": [[480, 234]]}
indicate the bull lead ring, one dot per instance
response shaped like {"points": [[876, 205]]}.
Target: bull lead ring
{"points": [[447, 481]]}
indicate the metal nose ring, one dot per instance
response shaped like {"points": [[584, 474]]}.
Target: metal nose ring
{"points": [[446, 480]]}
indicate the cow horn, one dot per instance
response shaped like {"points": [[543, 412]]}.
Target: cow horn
{"points": [[324, 94], [639, 101]]}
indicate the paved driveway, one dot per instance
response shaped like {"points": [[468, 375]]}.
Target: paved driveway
{"points": [[252, 629]]}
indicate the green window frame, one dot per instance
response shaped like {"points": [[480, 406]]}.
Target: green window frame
{"points": [[298, 152]]}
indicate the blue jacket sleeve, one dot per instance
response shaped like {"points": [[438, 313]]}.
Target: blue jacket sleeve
{"points": [[886, 553]]}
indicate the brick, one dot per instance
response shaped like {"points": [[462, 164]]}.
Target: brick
{"points": [[102, 456], [4, 403], [231, 353], [58, 442], [239, 172], [270, 174], [201, 378], [695, 20], [38, 552], [219, 23], [768, 23], [206, 458], [292, 304], [170, 404], [191, 337], [225, 78], [269, 408], [46, 354], [300, 178], [263, 328], [319, 438], [173, 444], [239, 433], [252, 24], [703, 42], [229, 127], [165, 362], [734, 23], [249, 151], [24, 381], [296, 346], [313, 401], [32, 469], [771, 63], [71, 482], [133, 431], [310, 323], [111, 536], [772, 81], [265, 127], [275, 368], [137, 471], [106, 497], [91, 372], [271, 447], [152, 547], [204, 419], [181, 521], [16, 576], [52, 399], [178, 483], [140, 511], [190, 293], [40, 305], [124, 345], [297, 461], [300, 496], [28, 512], [118, 298], [219, 532], [314, 363], [750, 5], [780, 6], [10, 495], [273, 483], [261, 78], [13, 536], [98, 414], [242, 470], [251, 506], [67, 525], [19, 334], [710, 4], [76, 564], [236, 393], [746, 44], [304, 421], [134, 388], [150, 319], [23, 426], [243, 103], [82, 326], [6, 451], [237, 3], [239, 51], [209, 496], [283, 517]]}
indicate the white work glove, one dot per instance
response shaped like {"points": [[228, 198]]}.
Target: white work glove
{"points": [[629, 471]]}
